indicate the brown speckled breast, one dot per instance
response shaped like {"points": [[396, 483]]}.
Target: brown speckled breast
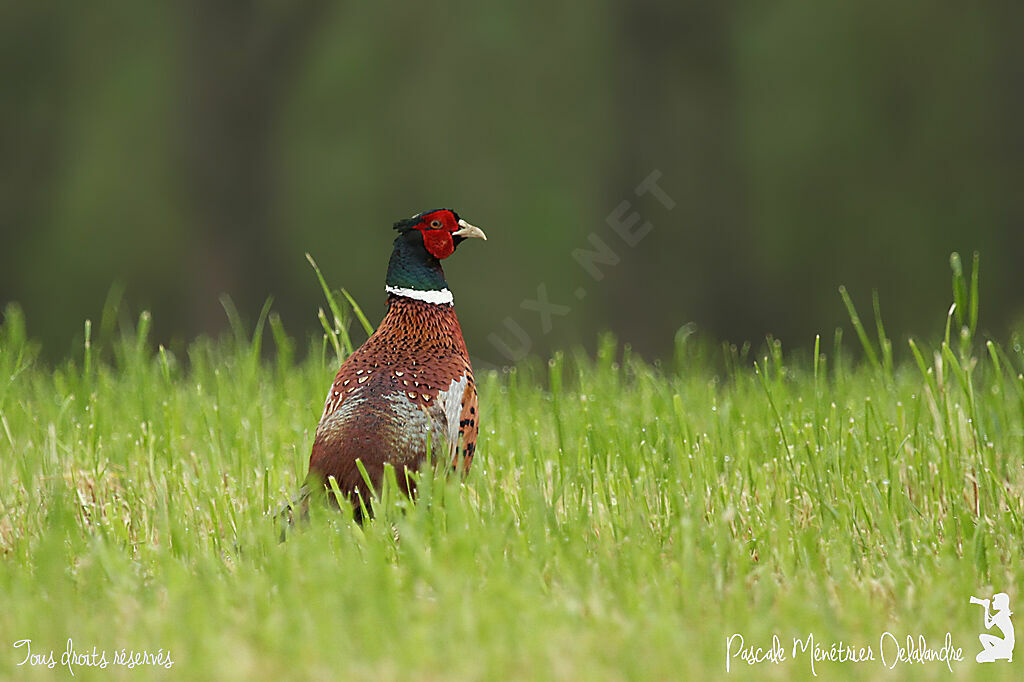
{"points": [[409, 387]]}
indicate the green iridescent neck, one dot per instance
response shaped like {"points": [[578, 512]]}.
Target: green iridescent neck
{"points": [[412, 267]]}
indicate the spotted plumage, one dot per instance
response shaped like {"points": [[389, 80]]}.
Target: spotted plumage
{"points": [[410, 387]]}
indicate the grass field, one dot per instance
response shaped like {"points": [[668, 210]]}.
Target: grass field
{"points": [[621, 521]]}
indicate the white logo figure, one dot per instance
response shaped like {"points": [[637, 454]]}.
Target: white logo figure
{"points": [[995, 648]]}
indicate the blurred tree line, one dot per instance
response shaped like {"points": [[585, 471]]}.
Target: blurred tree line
{"points": [[184, 150]]}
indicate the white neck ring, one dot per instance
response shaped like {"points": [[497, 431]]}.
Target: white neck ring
{"points": [[438, 297]]}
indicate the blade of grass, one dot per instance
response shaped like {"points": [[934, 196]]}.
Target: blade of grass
{"points": [[959, 287], [340, 320], [234, 319], [883, 342], [859, 328], [331, 334], [367, 327], [973, 315], [256, 345]]}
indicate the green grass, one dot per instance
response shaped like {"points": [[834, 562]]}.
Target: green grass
{"points": [[620, 522]]}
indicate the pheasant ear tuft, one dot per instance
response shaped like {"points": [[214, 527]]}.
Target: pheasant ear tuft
{"points": [[404, 226]]}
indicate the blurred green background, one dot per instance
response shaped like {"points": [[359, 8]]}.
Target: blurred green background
{"points": [[183, 150]]}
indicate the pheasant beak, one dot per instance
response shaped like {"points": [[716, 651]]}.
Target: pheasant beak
{"points": [[469, 231]]}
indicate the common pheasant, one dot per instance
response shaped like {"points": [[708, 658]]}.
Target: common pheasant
{"points": [[410, 385]]}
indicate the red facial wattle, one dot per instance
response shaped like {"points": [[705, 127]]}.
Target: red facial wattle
{"points": [[438, 242]]}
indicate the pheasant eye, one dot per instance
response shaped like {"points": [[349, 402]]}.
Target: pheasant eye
{"points": [[436, 224]]}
